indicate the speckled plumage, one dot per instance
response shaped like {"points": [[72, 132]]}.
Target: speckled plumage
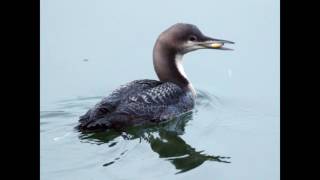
{"points": [[138, 102]]}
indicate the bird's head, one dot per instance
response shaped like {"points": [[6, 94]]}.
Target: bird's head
{"points": [[184, 38]]}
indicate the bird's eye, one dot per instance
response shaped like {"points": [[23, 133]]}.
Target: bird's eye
{"points": [[192, 38]]}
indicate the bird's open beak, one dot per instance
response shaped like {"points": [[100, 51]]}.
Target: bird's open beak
{"points": [[211, 43]]}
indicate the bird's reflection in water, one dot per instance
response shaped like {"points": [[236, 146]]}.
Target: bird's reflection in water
{"points": [[164, 139]]}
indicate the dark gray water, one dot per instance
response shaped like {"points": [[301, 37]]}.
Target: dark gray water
{"points": [[89, 48]]}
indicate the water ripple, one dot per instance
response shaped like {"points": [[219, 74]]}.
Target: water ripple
{"points": [[52, 114]]}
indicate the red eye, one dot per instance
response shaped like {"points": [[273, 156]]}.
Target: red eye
{"points": [[192, 38]]}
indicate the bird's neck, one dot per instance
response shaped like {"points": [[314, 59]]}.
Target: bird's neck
{"points": [[168, 66]]}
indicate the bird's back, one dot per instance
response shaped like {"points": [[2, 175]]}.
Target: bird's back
{"points": [[138, 102]]}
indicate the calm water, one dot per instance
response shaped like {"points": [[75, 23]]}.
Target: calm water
{"points": [[89, 48]]}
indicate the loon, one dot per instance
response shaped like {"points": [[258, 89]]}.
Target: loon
{"points": [[151, 101]]}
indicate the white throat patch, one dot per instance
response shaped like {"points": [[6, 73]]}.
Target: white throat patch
{"points": [[178, 61]]}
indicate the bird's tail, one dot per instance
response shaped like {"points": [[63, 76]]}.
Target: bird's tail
{"points": [[109, 121]]}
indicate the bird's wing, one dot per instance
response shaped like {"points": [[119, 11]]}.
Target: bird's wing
{"points": [[153, 101], [110, 103]]}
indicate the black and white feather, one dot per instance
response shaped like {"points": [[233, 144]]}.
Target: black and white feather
{"points": [[138, 102]]}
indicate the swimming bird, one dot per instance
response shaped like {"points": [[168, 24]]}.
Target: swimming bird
{"points": [[154, 101]]}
